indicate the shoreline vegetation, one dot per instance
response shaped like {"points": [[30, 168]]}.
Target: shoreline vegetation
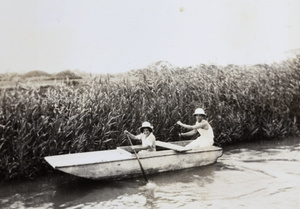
{"points": [[47, 115]]}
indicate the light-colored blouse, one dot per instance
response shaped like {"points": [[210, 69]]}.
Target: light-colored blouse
{"points": [[148, 141]]}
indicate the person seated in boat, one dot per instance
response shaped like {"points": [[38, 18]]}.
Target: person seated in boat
{"points": [[202, 126], [146, 136]]}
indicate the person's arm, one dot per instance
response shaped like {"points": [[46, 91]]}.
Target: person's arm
{"points": [[202, 124], [190, 133], [131, 135]]}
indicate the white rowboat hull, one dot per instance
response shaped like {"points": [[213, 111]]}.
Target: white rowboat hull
{"points": [[120, 164]]}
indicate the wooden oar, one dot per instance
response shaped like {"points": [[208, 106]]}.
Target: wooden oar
{"points": [[172, 146], [138, 160]]}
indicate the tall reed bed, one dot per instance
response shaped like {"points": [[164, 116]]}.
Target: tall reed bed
{"points": [[242, 103]]}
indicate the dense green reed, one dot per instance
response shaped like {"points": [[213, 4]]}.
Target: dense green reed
{"points": [[242, 103]]}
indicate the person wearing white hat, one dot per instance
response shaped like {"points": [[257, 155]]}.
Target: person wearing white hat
{"points": [[202, 126], [146, 136]]}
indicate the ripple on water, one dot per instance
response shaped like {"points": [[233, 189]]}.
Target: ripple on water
{"points": [[251, 176]]}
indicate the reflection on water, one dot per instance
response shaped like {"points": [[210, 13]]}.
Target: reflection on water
{"points": [[252, 175]]}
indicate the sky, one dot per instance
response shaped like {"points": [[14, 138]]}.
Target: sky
{"points": [[112, 36]]}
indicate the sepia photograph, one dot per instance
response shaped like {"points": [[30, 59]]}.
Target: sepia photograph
{"points": [[149, 104]]}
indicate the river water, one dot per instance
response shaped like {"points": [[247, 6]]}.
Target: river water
{"points": [[261, 174]]}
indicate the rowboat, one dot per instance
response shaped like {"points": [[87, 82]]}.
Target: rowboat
{"points": [[121, 163]]}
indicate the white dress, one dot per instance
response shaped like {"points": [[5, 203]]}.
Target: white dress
{"points": [[205, 139]]}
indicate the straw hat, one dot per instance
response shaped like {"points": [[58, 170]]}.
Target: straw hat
{"points": [[146, 125], [199, 111]]}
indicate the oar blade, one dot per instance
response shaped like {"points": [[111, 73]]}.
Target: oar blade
{"points": [[175, 147]]}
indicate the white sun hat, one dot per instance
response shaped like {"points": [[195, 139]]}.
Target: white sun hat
{"points": [[199, 111], [146, 125]]}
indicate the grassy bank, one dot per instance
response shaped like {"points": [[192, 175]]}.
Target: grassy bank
{"points": [[242, 103]]}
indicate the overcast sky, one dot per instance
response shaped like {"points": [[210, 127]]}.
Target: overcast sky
{"points": [[110, 36]]}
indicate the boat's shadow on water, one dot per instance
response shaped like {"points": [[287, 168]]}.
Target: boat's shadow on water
{"points": [[70, 191]]}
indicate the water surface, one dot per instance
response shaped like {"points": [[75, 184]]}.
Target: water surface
{"points": [[249, 175]]}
